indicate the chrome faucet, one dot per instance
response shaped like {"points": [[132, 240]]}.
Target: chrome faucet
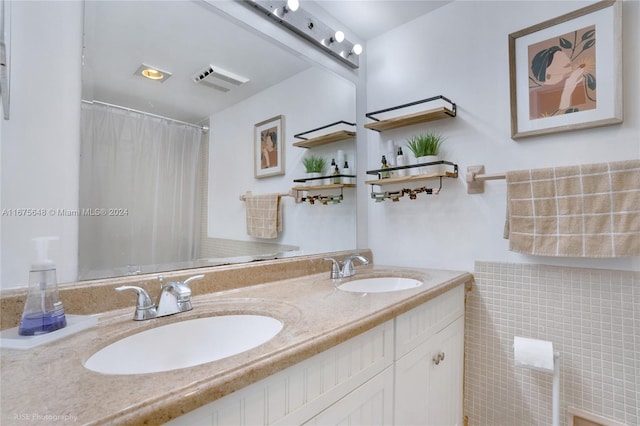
{"points": [[175, 297], [346, 269]]}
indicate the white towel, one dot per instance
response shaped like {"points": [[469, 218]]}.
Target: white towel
{"points": [[264, 215], [578, 211]]}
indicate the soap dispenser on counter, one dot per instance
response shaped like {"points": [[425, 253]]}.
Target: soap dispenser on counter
{"points": [[43, 311]]}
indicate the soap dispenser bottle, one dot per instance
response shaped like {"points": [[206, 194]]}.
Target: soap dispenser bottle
{"points": [[346, 170], [384, 173], [336, 175], [400, 162], [43, 311]]}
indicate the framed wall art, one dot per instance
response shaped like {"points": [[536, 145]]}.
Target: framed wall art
{"points": [[566, 73], [269, 147]]}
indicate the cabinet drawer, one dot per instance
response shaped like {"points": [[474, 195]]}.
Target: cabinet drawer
{"points": [[419, 324]]}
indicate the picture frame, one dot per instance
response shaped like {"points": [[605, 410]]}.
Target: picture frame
{"points": [[269, 154], [566, 73]]}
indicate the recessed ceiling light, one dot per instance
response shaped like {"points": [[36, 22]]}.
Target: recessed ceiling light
{"points": [[152, 73]]}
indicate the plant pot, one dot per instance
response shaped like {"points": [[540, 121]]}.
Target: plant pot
{"points": [[428, 169], [315, 181]]}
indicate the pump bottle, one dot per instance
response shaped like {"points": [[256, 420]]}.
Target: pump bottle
{"points": [[384, 174], [400, 162], [43, 311]]}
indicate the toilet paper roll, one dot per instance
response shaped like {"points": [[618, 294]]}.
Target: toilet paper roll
{"points": [[533, 353]]}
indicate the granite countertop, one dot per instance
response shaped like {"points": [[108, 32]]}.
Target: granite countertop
{"points": [[49, 384]]}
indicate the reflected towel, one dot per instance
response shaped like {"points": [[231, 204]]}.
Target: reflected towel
{"points": [[579, 211], [264, 215]]}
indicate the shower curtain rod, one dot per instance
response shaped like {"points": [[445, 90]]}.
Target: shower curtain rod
{"points": [[204, 129]]}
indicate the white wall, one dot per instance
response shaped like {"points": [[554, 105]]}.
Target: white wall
{"points": [[460, 51], [40, 150], [308, 100]]}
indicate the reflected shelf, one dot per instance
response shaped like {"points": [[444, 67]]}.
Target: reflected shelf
{"points": [[336, 136]]}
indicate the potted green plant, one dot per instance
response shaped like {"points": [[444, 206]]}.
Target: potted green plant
{"points": [[426, 149], [314, 165]]}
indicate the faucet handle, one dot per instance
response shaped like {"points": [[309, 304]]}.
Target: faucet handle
{"points": [[335, 267], [193, 278], [145, 308]]}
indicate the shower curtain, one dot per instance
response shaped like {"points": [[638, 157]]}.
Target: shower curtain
{"points": [[140, 190]]}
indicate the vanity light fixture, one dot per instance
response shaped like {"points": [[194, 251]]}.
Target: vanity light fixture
{"points": [[152, 73], [307, 26]]}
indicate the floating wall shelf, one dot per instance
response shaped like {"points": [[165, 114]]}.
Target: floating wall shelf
{"points": [[322, 199], [321, 178], [321, 187], [336, 136], [411, 119], [395, 195], [453, 173]]}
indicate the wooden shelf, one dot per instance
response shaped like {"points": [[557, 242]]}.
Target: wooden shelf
{"points": [[320, 187], [411, 119], [410, 179], [340, 135]]}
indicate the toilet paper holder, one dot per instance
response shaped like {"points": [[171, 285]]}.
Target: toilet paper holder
{"points": [[539, 355]]}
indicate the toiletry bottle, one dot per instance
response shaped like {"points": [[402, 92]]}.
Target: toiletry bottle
{"points": [[400, 162], [340, 157], [391, 156], [332, 167], [43, 311], [336, 175], [346, 170], [384, 174]]}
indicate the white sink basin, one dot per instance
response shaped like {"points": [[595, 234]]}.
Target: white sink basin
{"points": [[184, 344], [380, 285]]}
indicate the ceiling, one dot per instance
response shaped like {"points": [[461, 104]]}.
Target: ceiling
{"points": [[370, 18], [182, 37], [185, 37]]}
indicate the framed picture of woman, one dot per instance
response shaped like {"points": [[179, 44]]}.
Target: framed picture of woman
{"points": [[269, 147], [566, 73]]}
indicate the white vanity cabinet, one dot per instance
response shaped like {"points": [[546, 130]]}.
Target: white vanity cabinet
{"points": [[299, 393], [430, 361], [384, 376]]}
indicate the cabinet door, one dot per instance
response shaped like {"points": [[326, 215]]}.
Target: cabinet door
{"points": [[369, 405], [428, 380]]}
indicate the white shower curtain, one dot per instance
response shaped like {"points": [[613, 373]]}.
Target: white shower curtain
{"points": [[140, 189]]}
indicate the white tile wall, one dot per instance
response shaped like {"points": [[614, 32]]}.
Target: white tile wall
{"points": [[591, 316]]}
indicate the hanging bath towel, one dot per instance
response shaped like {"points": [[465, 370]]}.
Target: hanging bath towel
{"points": [[264, 215], [578, 211]]}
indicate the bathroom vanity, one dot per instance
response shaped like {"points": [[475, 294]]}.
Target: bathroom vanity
{"points": [[418, 356], [392, 357]]}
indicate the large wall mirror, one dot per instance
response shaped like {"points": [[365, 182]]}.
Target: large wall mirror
{"points": [[170, 158]]}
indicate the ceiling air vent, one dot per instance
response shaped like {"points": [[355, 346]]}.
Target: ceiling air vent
{"points": [[219, 78]]}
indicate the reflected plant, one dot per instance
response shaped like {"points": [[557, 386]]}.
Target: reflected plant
{"points": [[314, 164]]}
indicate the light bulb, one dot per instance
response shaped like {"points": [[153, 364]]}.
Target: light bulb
{"points": [[293, 5], [152, 74], [339, 36], [357, 49]]}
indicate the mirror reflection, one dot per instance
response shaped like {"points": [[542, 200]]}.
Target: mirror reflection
{"points": [[168, 157]]}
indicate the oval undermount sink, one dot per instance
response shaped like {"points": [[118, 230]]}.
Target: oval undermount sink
{"points": [[380, 284], [184, 344]]}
